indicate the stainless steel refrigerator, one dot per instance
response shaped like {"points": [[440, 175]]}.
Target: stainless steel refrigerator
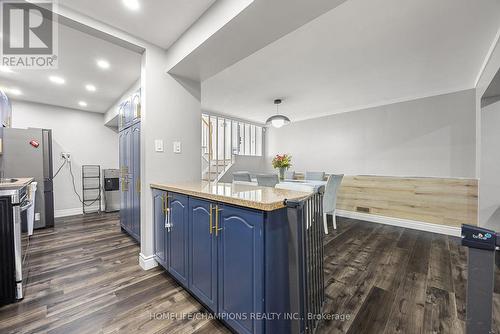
{"points": [[28, 153]]}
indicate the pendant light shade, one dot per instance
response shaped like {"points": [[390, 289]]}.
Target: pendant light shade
{"points": [[277, 120]]}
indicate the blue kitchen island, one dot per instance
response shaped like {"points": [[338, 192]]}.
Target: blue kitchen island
{"points": [[252, 255]]}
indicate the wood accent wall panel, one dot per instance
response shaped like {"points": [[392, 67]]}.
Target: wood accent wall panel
{"points": [[443, 201]]}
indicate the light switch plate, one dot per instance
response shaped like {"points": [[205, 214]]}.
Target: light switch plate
{"points": [[177, 147], [158, 145]]}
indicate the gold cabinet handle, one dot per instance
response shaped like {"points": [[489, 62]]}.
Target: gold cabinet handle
{"points": [[210, 219], [164, 203], [217, 229], [138, 185]]}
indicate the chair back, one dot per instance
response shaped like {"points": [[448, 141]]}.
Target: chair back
{"points": [[242, 176], [331, 189], [290, 175], [315, 176], [267, 180], [245, 183]]}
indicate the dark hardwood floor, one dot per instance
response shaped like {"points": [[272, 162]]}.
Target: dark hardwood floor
{"points": [[84, 277], [393, 280]]}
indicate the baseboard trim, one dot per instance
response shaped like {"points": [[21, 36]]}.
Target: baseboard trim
{"points": [[68, 212], [406, 223], [147, 262], [71, 212]]}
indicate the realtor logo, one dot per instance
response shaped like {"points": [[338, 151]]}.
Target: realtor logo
{"points": [[29, 34]]}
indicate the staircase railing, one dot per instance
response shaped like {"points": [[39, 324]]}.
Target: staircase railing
{"points": [[216, 167]]}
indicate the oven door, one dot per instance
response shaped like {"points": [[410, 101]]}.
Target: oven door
{"points": [[19, 250]]}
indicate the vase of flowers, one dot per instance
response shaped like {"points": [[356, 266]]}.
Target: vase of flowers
{"points": [[282, 162]]}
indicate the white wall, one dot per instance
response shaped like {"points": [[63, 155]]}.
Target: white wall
{"points": [[432, 136], [486, 75], [254, 165], [170, 112], [80, 133], [489, 186]]}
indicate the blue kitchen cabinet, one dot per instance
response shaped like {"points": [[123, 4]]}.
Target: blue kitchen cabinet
{"points": [[241, 267], [160, 235], [130, 175], [136, 180], [136, 106], [203, 252], [217, 252], [178, 237], [125, 113], [124, 140], [129, 111]]}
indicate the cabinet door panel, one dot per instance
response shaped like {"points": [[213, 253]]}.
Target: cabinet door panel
{"points": [[136, 105], [124, 184], [127, 110], [202, 254], [129, 179], [241, 267], [178, 237], [159, 223], [136, 178]]}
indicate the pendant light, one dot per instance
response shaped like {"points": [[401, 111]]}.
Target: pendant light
{"points": [[277, 120]]}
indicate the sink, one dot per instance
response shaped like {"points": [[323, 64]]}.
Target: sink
{"points": [[8, 180]]}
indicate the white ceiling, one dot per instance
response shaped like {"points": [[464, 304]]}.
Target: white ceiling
{"points": [[241, 37], [159, 22], [360, 54], [78, 53]]}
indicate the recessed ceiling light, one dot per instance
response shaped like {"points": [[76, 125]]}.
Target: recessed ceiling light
{"points": [[5, 69], [14, 91], [82, 104], [57, 80], [104, 64], [132, 4], [90, 88]]}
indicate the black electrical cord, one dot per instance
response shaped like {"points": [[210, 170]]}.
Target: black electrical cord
{"points": [[59, 169]]}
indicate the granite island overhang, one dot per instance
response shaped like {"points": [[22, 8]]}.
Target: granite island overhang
{"points": [[251, 255], [249, 196]]}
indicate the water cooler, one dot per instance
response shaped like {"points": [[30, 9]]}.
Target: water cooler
{"points": [[112, 190]]}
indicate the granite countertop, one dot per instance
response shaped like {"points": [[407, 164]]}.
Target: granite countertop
{"points": [[255, 197], [21, 182]]}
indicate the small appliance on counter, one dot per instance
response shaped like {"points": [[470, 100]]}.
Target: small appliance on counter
{"points": [[13, 204], [112, 190], [28, 153]]}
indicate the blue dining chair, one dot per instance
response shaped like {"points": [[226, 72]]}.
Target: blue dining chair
{"points": [[330, 199], [315, 176], [267, 180], [242, 176]]}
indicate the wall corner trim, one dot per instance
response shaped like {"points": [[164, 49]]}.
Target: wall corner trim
{"points": [[406, 223], [147, 262]]}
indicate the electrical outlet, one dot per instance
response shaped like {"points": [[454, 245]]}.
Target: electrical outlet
{"points": [[37, 216], [66, 155]]}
